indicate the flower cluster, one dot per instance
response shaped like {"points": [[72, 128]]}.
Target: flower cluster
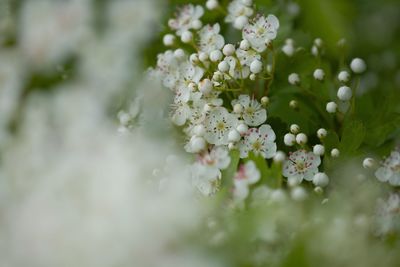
{"points": [[209, 77]]}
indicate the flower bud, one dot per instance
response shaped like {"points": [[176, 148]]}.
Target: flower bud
{"points": [[331, 107], [320, 179], [301, 139], [223, 66], [168, 39], [279, 157], [211, 4], [368, 163], [242, 128], [289, 139], [240, 22], [237, 108], [186, 37], [358, 65], [343, 76], [294, 129], [265, 100], [319, 150], [233, 136], [319, 74], [294, 79], [256, 66], [344, 93], [244, 45], [215, 55], [321, 133], [228, 50], [335, 153]]}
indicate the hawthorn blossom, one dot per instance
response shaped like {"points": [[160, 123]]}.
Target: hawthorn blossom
{"points": [[260, 141], [180, 113], [185, 18], [390, 169], [235, 70], [237, 9], [168, 68], [206, 171], [253, 114], [301, 165], [210, 39], [190, 74], [247, 175], [246, 57], [218, 123], [261, 31]]}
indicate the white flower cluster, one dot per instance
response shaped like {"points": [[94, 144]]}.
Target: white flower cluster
{"points": [[209, 80], [390, 169]]}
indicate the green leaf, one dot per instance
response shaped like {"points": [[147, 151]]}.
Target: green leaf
{"points": [[352, 137], [228, 173], [271, 176]]}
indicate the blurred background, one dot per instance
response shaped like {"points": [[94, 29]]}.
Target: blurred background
{"points": [[75, 192]]}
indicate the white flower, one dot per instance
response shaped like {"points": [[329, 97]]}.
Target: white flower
{"points": [[185, 18], [261, 32], [188, 74], [331, 107], [246, 57], [235, 71], [210, 39], [247, 175], [260, 141], [180, 113], [206, 171], [168, 68], [237, 9], [390, 169], [301, 165], [218, 123], [253, 113]]}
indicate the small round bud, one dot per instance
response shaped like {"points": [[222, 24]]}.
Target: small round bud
{"points": [[294, 79], [278, 195], [237, 108], [301, 139], [197, 24], [319, 150], [288, 49], [199, 130], [298, 194], [318, 42], [244, 45], [294, 129], [344, 93], [242, 128], [256, 66], [197, 144], [289, 139], [203, 56], [331, 107], [252, 77], [194, 58], [207, 108], [223, 66], [358, 65], [179, 53], [233, 136], [293, 104], [215, 56], [318, 190], [320, 179], [228, 50], [240, 22], [321, 133], [231, 146], [279, 157], [319, 74], [186, 37], [368, 163], [168, 39], [335, 153], [343, 76], [265, 100], [314, 50], [211, 4]]}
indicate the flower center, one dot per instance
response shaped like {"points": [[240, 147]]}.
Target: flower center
{"points": [[256, 145]]}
